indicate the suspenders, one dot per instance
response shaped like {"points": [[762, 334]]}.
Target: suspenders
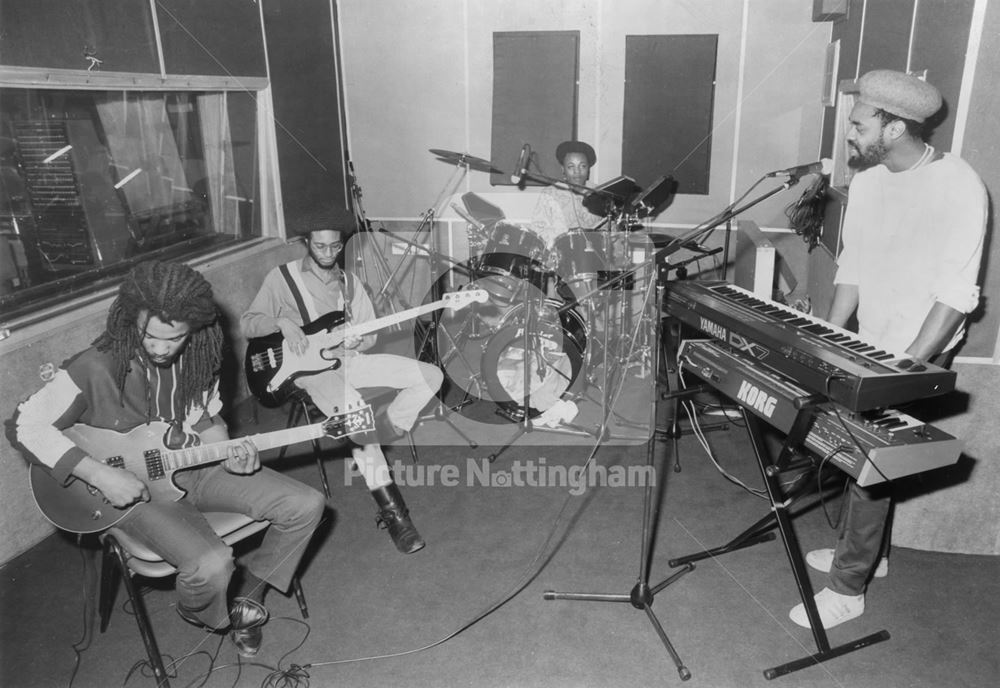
{"points": [[304, 300]]}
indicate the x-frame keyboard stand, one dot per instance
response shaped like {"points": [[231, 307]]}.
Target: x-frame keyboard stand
{"points": [[779, 515]]}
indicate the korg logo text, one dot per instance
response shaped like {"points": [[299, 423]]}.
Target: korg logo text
{"points": [[714, 329], [755, 398]]}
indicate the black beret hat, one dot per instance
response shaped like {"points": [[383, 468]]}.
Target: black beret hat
{"points": [[575, 147]]}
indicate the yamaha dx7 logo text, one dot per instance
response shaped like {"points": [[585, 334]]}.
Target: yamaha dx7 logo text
{"points": [[714, 329]]}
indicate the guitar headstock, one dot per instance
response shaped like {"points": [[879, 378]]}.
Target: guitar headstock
{"points": [[350, 422], [460, 299]]}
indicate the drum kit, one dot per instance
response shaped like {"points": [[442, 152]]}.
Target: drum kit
{"points": [[560, 320]]}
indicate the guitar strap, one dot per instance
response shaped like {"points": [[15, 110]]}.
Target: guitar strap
{"points": [[303, 299]]}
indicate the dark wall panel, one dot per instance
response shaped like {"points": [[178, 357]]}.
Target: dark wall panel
{"points": [[669, 94], [304, 87], [534, 98], [886, 42], [217, 38], [849, 33], [943, 59], [56, 34]]}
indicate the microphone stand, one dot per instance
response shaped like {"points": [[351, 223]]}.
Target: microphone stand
{"points": [[642, 594], [429, 338]]}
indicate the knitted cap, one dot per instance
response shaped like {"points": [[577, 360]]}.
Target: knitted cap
{"points": [[900, 94]]}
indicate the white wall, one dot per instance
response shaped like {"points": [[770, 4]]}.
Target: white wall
{"points": [[418, 75]]}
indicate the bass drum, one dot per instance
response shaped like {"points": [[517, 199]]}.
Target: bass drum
{"points": [[551, 343], [473, 348]]}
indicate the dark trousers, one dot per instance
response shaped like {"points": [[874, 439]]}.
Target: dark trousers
{"points": [[180, 534]]}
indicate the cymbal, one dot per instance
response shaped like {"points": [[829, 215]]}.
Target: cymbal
{"points": [[471, 161]]}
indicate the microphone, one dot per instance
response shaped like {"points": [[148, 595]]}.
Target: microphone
{"points": [[824, 166], [522, 165]]}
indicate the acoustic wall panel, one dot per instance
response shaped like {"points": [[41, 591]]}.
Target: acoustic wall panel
{"points": [[106, 35], [534, 97], [669, 96], [307, 108], [217, 38]]}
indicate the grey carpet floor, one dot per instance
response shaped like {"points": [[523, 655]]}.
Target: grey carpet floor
{"points": [[469, 609]]}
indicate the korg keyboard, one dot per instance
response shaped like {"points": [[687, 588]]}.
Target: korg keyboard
{"points": [[824, 359], [872, 447]]}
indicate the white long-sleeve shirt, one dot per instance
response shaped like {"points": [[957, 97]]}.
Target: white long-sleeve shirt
{"points": [[911, 239]]}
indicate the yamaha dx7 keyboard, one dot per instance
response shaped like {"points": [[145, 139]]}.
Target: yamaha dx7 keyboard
{"points": [[870, 446], [822, 358]]}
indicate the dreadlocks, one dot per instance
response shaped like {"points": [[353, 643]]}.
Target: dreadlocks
{"points": [[174, 293]]}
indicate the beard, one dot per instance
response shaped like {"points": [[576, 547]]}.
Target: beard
{"points": [[321, 262], [871, 155]]}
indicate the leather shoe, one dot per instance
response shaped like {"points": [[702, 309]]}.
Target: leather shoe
{"points": [[246, 617], [401, 529]]}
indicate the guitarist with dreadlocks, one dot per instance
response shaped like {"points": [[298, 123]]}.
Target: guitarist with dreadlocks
{"points": [[158, 361]]}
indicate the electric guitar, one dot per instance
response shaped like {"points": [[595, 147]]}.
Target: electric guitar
{"points": [[81, 508], [270, 366]]}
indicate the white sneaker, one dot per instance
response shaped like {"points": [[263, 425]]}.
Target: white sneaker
{"points": [[822, 560], [834, 609]]}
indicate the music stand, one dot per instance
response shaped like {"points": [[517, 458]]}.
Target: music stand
{"points": [[642, 594]]}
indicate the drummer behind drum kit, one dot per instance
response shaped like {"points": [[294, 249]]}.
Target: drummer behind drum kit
{"points": [[556, 318]]}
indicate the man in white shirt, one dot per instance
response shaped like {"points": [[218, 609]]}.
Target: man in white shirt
{"points": [[913, 240]]}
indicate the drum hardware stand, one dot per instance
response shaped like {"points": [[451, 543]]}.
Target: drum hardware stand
{"points": [[780, 515], [525, 424], [429, 337], [642, 594], [385, 276]]}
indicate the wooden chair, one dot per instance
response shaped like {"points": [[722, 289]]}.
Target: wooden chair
{"points": [[123, 558]]}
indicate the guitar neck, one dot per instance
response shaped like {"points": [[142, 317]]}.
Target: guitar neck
{"points": [[176, 459], [364, 328]]}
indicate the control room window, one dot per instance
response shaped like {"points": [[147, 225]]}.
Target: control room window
{"points": [[92, 182]]}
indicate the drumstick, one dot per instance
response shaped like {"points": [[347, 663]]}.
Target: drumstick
{"points": [[468, 218]]}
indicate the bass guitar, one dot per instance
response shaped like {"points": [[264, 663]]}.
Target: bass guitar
{"points": [[271, 367], [81, 508]]}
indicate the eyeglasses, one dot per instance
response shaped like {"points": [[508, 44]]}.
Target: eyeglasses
{"points": [[323, 248]]}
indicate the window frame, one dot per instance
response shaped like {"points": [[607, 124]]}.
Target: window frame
{"points": [[268, 209]]}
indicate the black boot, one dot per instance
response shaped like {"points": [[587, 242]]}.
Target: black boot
{"points": [[395, 517]]}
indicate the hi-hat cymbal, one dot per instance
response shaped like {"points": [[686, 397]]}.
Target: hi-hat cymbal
{"points": [[471, 161]]}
